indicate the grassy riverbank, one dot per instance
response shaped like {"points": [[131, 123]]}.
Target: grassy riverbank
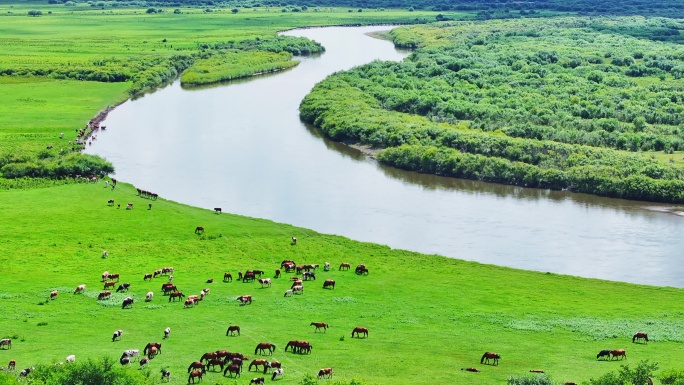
{"points": [[428, 316]]}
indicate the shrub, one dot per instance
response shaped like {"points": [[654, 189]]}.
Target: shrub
{"points": [[542, 379]]}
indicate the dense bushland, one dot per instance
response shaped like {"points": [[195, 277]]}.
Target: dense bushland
{"points": [[544, 103]]}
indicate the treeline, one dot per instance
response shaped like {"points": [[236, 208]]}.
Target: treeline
{"points": [[53, 166], [668, 8], [541, 104]]}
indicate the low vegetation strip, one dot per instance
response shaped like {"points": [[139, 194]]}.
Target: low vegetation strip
{"points": [[543, 103], [234, 66], [532, 320]]}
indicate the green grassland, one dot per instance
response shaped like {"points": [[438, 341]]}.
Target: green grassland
{"points": [[428, 316]]}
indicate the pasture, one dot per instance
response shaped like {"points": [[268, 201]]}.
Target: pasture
{"points": [[427, 316]]}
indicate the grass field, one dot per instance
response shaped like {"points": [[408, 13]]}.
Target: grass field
{"points": [[428, 316]]}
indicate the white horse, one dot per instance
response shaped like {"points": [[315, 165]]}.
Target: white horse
{"points": [[80, 289], [131, 353], [70, 358], [299, 289], [277, 373], [265, 281], [149, 297], [288, 293]]}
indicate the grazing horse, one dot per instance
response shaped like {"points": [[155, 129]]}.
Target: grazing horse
{"points": [[232, 329], [359, 330], [208, 356], [277, 273], [288, 293], [6, 342], [156, 346], [194, 374], [199, 230], [71, 358], [278, 372], [127, 302], [299, 347], [326, 266], [603, 353], [345, 266], [329, 283], [104, 276], [257, 381], [309, 275], [265, 346], [249, 276], [618, 353], [265, 281], [109, 284], [145, 361], [197, 365], [166, 375], [490, 355], [361, 270], [147, 276], [149, 296], [536, 371], [131, 353], [117, 335], [233, 369], [104, 295], [215, 362], [294, 241], [640, 336], [245, 299], [112, 277], [320, 325], [123, 287], [80, 289], [12, 365], [167, 333], [476, 370], [217, 210], [124, 360], [272, 365], [190, 302], [325, 372], [227, 277], [257, 363], [53, 294], [176, 294]]}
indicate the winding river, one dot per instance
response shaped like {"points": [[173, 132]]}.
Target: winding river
{"points": [[241, 146]]}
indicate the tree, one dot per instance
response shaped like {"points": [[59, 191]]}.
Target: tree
{"points": [[235, 10], [151, 10], [34, 13]]}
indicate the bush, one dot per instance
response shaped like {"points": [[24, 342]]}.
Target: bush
{"points": [[639, 376], [541, 379], [34, 13], [89, 372]]}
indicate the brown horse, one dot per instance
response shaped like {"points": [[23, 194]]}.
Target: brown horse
{"points": [[197, 365], [149, 346], [215, 362], [245, 299], [476, 370], [325, 372], [329, 283], [232, 329], [257, 363], [104, 295], [112, 277], [176, 294], [227, 277], [272, 365], [194, 374], [358, 331], [320, 325], [208, 356], [233, 369], [490, 356], [345, 266], [299, 347], [53, 294], [618, 353], [147, 276], [640, 336], [109, 284], [12, 365], [199, 230], [262, 346]]}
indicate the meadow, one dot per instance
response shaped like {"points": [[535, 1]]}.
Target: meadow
{"points": [[428, 316]]}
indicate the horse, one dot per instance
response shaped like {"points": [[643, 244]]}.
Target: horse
{"points": [[70, 358], [257, 363], [329, 283], [117, 335], [130, 353], [233, 369], [278, 372], [299, 347], [227, 277], [104, 295], [288, 293], [272, 365], [123, 287], [112, 277], [249, 276], [176, 294], [319, 325], [359, 330], [294, 241], [345, 266], [149, 296], [104, 276], [618, 353], [218, 210], [12, 365], [309, 275], [156, 273], [258, 273], [536, 371], [194, 374], [640, 336], [189, 302], [232, 329], [127, 302], [215, 362], [490, 355], [147, 276], [167, 332], [109, 285], [145, 361], [124, 361], [244, 299], [299, 289], [257, 381], [325, 372], [166, 375], [603, 353], [199, 230], [210, 280], [326, 266], [152, 345], [54, 294], [80, 289], [208, 356], [286, 262], [476, 370], [265, 281], [197, 365], [361, 270], [277, 273], [265, 346]]}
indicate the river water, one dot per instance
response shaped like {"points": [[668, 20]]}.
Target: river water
{"points": [[241, 146]]}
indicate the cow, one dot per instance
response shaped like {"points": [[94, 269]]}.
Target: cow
{"points": [[166, 375], [108, 285]]}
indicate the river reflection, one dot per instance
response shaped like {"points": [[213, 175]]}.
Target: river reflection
{"points": [[241, 146]]}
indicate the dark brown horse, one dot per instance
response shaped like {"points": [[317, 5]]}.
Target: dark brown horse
{"points": [[208, 356], [265, 346], [107, 285], [325, 373], [320, 325], [476, 370], [227, 277], [329, 283], [195, 374], [640, 336], [345, 266], [358, 331], [147, 276], [603, 353], [215, 362], [299, 347], [257, 363], [176, 294], [618, 353], [104, 295], [233, 369], [232, 329], [12, 365], [490, 356], [199, 230], [197, 365], [149, 346]]}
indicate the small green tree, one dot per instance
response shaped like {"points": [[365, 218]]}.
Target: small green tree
{"points": [[34, 13], [235, 10], [151, 10]]}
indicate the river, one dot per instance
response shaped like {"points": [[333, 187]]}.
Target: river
{"points": [[241, 146]]}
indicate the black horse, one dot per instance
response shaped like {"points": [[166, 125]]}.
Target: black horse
{"points": [[603, 353]]}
